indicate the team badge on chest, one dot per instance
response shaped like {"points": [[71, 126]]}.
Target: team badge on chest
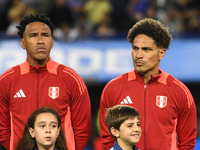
{"points": [[161, 101], [54, 92]]}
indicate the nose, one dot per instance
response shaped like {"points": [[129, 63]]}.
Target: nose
{"points": [[40, 40], [48, 130], [137, 129], [139, 53]]}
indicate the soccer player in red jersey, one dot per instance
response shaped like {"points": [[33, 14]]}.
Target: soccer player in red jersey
{"points": [[40, 81], [166, 106]]}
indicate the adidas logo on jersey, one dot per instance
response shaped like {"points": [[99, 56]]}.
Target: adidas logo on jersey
{"points": [[20, 94], [127, 100]]}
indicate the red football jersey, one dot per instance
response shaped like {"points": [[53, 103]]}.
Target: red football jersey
{"points": [[25, 88], [166, 106]]}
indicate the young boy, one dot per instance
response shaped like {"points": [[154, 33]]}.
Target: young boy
{"points": [[123, 123]]}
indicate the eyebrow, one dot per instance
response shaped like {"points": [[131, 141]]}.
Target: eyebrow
{"points": [[32, 33], [147, 47], [144, 47], [45, 122]]}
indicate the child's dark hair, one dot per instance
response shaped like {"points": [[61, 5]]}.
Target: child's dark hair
{"points": [[33, 18], [152, 28], [29, 143], [117, 114]]}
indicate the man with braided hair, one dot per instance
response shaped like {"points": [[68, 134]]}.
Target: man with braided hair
{"points": [[38, 82], [166, 106]]}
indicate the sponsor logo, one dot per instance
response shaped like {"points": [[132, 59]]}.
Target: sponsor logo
{"points": [[161, 101], [19, 94], [53, 92], [127, 100]]}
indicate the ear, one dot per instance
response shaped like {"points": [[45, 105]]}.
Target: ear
{"points": [[52, 43], [162, 53], [23, 45], [58, 131], [31, 131], [114, 132]]}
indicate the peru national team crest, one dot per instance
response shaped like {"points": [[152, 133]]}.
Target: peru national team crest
{"points": [[161, 101], [54, 92]]}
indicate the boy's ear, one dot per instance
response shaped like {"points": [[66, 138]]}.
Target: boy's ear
{"points": [[31, 132], [114, 132]]}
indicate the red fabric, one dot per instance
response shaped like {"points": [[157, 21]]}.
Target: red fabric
{"points": [[160, 122], [97, 144], [36, 83]]}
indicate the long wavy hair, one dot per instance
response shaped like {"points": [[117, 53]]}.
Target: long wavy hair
{"points": [[29, 143]]}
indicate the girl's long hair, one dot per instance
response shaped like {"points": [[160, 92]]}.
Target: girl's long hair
{"points": [[29, 143]]}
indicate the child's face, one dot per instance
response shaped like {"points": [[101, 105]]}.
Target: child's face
{"points": [[45, 130], [129, 132]]}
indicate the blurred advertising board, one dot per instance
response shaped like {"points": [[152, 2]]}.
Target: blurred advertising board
{"points": [[102, 60]]}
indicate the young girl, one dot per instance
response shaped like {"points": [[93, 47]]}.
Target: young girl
{"points": [[43, 131]]}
